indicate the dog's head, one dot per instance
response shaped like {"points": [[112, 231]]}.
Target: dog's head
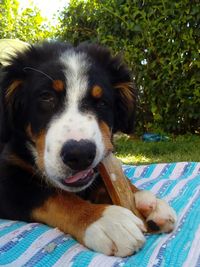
{"points": [[65, 103]]}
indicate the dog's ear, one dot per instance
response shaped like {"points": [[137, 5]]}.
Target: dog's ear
{"points": [[10, 98], [125, 107], [125, 96]]}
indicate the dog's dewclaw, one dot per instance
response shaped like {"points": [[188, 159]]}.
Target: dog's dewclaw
{"points": [[117, 184]]}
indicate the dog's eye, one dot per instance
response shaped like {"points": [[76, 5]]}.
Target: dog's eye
{"points": [[47, 101]]}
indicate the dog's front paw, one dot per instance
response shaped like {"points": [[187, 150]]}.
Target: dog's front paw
{"points": [[160, 217], [118, 232]]}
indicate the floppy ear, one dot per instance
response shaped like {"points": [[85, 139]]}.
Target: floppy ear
{"points": [[12, 79], [125, 96], [124, 107], [9, 100]]}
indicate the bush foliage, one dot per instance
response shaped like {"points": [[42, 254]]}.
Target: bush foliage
{"points": [[160, 41], [27, 25]]}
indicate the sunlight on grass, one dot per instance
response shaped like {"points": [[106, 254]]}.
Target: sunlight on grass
{"points": [[129, 159], [176, 149]]}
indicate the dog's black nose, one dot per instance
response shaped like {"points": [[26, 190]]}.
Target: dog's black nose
{"points": [[78, 155]]}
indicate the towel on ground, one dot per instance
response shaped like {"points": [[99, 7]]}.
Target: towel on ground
{"points": [[35, 245]]}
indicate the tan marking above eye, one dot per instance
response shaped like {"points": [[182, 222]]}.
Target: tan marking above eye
{"points": [[58, 85], [97, 91]]}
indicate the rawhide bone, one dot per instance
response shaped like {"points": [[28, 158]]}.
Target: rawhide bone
{"points": [[117, 185]]}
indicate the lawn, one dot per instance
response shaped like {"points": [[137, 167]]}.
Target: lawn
{"points": [[132, 150]]}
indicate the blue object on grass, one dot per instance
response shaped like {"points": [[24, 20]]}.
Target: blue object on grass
{"points": [[152, 137]]}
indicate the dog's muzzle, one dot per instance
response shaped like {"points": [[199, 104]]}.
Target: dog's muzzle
{"points": [[78, 156]]}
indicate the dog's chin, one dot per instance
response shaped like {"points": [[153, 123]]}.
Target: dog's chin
{"points": [[77, 182]]}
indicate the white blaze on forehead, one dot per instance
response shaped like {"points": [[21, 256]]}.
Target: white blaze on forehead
{"points": [[77, 66], [72, 123]]}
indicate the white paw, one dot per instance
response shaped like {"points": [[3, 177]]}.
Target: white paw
{"points": [[145, 202], [163, 216], [159, 215], [118, 232]]}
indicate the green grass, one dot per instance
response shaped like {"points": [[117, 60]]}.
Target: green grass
{"points": [[134, 151]]}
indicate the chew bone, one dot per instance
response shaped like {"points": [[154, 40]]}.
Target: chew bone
{"points": [[117, 184]]}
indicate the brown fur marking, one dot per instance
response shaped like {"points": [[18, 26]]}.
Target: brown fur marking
{"points": [[39, 141], [106, 136], [12, 88], [126, 90], [15, 160], [40, 146], [97, 91], [58, 85], [29, 132], [69, 213]]}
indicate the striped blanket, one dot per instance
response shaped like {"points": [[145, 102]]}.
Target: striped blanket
{"points": [[33, 244]]}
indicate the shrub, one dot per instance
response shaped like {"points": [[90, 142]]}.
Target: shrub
{"points": [[160, 41]]}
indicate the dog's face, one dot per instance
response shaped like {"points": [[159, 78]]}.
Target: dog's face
{"points": [[65, 103]]}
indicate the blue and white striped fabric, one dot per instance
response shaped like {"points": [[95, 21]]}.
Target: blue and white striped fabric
{"points": [[23, 244]]}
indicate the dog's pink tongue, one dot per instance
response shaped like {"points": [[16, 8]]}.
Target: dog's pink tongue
{"points": [[78, 176]]}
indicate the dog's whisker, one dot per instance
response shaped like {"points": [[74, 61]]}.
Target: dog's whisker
{"points": [[39, 71]]}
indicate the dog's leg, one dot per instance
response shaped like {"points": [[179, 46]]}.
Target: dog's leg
{"points": [[112, 230]]}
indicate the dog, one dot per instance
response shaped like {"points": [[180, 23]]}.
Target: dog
{"points": [[60, 106]]}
